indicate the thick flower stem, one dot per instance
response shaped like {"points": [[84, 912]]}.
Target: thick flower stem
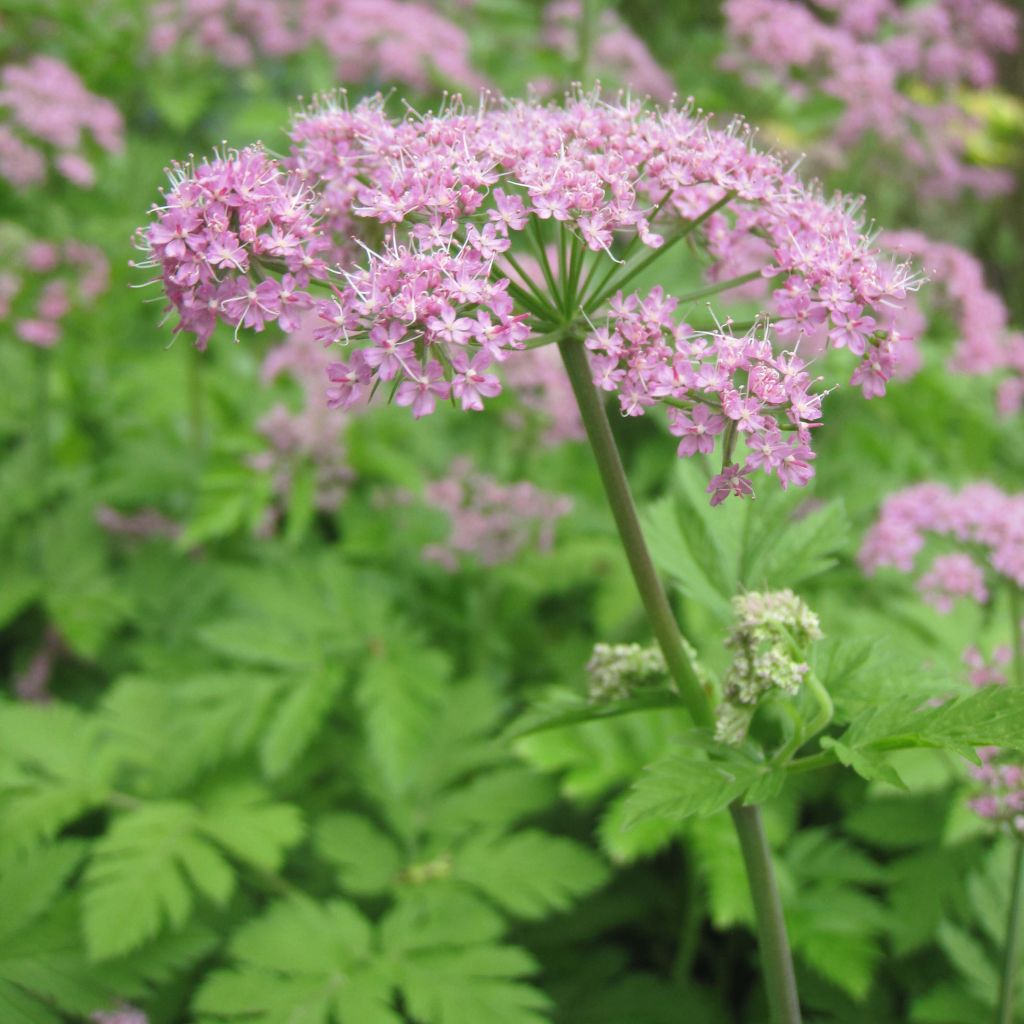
{"points": [[776, 960], [1011, 954], [620, 498]]}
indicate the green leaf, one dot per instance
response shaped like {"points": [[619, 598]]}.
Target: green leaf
{"points": [[54, 766], [172, 734], [868, 764], [241, 818], [531, 873], [969, 957], [625, 845], [450, 969], [683, 783], [367, 859], [993, 716], [562, 707], [711, 554], [298, 719], [472, 984], [30, 883], [138, 881], [719, 858], [497, 798], [301, 962]]}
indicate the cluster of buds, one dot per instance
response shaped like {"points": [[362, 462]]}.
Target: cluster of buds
{"points": [[769, 640], [616, 670]]}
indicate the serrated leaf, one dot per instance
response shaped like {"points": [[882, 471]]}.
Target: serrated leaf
{"points": [[993, 716], [450, 969], [301, 962], [868, 764], [31, 882], [683, 784], [531, 873], [298, 719], [625, 845], [968, 956], [54, 766], [719, 859], [243, 820], [400, 694], [368, 860], [141, 875]]}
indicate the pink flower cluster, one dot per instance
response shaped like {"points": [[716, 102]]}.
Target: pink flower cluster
{"points": [[618, 53], [896, 68], [983, 521], [368, 40], [490, 521], [313, 433], [42, 282], [445, 209], [47, 114], [716, 384], [986, 345], [224, 225]]}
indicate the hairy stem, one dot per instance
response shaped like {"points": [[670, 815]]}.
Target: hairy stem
{"points": [[1011, 954], [776, 958], [775, 954]]}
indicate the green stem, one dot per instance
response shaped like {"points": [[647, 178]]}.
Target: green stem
{"points": [[776, 959], [616, 486], [1011, 956]]}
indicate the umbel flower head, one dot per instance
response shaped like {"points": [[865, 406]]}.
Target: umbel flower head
{"points": [[769, 639], [430, 227]]}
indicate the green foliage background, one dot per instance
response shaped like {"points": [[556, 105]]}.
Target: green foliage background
{"points": [[280, 778]]}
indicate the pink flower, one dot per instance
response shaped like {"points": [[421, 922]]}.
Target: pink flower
{"points": [[731, 481], [697, 430], [470, 383], [423, 389]]}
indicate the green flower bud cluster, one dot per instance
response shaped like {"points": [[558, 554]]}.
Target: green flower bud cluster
{"points": [[769, 640], [616, 670]]}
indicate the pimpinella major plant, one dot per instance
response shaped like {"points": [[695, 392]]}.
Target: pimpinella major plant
{"points": [[434, 247]]}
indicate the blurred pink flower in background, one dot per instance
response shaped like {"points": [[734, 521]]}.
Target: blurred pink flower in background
{"points": [[490, 521], [374, 41], [897, 69], [47, 114], [42, 282], [986, 344], [619, 54]]}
